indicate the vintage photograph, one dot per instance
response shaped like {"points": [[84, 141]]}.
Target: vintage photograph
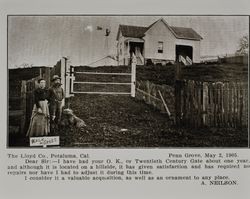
{"points": [[127, 81]]}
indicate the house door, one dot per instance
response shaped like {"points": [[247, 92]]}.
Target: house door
{"points": [[184, 51], [137, 49]]}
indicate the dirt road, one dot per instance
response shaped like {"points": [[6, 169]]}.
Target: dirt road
{"points": [[121, 121]]}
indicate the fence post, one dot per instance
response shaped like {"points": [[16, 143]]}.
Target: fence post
{"points": [[133, 78], [47, 76], [205, 103], [178, 71], [23, 106], [178, 93], [178, 102]]}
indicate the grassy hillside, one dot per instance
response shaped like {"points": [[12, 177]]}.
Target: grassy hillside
{"points": [[166, 74]]}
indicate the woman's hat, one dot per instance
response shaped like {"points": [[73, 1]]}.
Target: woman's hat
{"points": [[55, 77]]}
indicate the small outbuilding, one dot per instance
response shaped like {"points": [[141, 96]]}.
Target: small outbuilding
{"points": [[109, 60]]}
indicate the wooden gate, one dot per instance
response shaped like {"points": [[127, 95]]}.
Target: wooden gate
{"points": [[71, 82]]}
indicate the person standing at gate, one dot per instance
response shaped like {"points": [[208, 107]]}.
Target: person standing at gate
{"points": [[40, 120], [56, 95]]}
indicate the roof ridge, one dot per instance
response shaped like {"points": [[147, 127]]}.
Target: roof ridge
{"points": [[180, 27], [133, 26]]}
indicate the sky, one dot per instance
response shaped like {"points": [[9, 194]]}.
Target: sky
{"points": [[43, 40]]}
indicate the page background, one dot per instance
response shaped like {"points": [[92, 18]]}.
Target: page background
{"points": [[17, 189]]}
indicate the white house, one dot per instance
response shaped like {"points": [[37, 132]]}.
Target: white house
{"points": [[157, 43]]}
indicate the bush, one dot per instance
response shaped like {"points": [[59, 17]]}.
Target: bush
{"points": [[159, 64], [169, 63], [149, 62]]}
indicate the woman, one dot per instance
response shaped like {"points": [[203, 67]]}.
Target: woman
{"points": [[39, 122]]}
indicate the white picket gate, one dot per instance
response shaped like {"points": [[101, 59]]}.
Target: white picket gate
{"points": [[70, 81]]}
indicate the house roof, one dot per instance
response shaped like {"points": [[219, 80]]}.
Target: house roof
{"points": [[132, 31], [139, 31], [185, 33]]}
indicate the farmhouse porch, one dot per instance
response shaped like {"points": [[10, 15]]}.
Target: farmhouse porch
{"points": [[134, 46]]}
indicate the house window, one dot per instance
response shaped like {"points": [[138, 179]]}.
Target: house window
{"points": [[160, 47]]}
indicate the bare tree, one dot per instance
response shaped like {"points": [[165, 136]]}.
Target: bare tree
{"points": [[243, 46]]}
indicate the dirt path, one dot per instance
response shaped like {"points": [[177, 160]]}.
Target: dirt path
{"points": [[121, 121]]}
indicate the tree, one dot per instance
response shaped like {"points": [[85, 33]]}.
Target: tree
{"points": [[243, 46]]}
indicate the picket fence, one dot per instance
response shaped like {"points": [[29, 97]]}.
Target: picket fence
{"points": [[218, 104]]}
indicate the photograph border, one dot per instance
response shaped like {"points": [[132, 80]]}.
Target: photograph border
{"points": [[107, 15]]}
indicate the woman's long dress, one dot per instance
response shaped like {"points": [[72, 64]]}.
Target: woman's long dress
{"points": [[39, 122]]}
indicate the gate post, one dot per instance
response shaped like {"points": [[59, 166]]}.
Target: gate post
{"points": [[23, 105], [68, 79], [178, 94], [178, 102], [63, 76], [71, 81], [133, 75], [178, 71]]}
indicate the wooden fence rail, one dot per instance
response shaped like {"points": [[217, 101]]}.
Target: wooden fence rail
{"points": [[218, 104], [159, 96]]}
